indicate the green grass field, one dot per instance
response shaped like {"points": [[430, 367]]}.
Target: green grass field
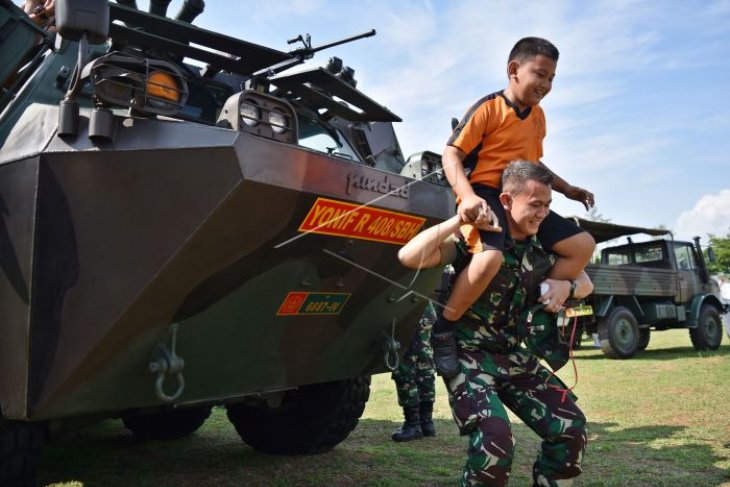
{"points": [[659, 419]]}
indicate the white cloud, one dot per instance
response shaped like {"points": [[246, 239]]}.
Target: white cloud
{"points": [[710, 215]]}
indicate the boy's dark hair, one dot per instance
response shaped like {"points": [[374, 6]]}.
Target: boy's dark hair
{"points": [[532, 46], [517, 173]]}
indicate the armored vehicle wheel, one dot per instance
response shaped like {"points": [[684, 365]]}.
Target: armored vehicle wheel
{"points": [[619, 333], [310, 419], [174, 423], [708, 333], [644, 336], [20, 447]]}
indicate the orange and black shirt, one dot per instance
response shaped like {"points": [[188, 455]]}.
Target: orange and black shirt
{"points": [[493, 133]]}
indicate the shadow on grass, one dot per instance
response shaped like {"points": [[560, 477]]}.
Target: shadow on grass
{"points": [[107, 455]]}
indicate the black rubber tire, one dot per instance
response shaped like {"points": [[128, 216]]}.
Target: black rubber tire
{"points": [[165, 425], [708, 333], [20, 447], [311, 419], [619, 333], [644, 337]]}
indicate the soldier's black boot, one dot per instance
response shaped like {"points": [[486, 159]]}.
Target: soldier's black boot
{"points": [[426, 416], [411, 429], [444, 354]]}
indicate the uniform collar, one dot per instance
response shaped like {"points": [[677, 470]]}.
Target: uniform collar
{"points": [[520, 114], [530, 242]]}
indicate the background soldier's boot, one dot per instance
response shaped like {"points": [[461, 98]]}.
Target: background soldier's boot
{"points": [[426, 413], [444, 354], [411, 429]]}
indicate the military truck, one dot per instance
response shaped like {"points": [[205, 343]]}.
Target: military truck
{"points": [[186, 222], [655, 285]]}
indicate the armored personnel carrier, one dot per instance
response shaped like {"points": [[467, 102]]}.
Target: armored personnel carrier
{"points": [[187, 221]]}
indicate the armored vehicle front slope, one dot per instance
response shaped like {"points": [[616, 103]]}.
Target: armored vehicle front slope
{"points": [[176, 236]]}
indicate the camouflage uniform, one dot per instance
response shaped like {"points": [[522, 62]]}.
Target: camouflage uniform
{"points": [[497, 371], [414, 377]]}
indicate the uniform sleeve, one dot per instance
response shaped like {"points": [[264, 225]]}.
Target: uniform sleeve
{"points": [[468, 135]]}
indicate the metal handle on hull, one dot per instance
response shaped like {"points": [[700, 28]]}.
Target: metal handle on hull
{"points": [[166, 362]]}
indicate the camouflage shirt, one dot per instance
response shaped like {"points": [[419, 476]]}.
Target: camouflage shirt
{"points": [[497, 321]]}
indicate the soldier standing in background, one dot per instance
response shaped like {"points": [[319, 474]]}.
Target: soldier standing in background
{"points": [[414, 381]]}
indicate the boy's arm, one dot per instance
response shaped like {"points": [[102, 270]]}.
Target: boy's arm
{"points": [[431, 247], [470, 205], [472, 208], [571, 192]]}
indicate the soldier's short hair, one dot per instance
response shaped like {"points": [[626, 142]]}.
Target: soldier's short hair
{"points": [[532, 46], [517, 173]]}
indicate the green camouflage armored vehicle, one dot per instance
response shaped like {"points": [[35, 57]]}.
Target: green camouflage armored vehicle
{"points": [[654, 285], [188, 222]]}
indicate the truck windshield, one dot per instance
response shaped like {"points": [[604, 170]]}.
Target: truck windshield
{"points": [[649, 254], [685, 257]]}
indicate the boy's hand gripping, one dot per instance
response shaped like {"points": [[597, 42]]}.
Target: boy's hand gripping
{"points": [[475, 210]]}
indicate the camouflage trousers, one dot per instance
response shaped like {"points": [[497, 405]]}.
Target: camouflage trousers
{"points": [[478, 402], [414, 376]]}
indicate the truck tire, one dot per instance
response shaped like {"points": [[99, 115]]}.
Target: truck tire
{"points": [[708, 333], [311, 419], [20, 447], [619, 333], [175, 423], [644, 337]]}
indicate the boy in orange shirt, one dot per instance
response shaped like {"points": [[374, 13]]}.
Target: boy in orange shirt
{"points": [[502, 127]]}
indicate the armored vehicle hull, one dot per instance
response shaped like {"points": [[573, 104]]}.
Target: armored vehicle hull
{"points": [[199, 227], [176, 237]]}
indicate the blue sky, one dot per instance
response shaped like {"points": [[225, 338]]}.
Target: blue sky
{"points": [[638, 111]]}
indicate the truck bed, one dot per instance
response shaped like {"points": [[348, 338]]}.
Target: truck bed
{"points": [[626, 280]]}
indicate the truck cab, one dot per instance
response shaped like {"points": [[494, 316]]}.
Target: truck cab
{"points": [[655, 285]]}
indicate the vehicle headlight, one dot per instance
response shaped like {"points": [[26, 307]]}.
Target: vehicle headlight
{"points": [[261, 114], [149, 86], [163, 85], [250, 113], [279, 122]]}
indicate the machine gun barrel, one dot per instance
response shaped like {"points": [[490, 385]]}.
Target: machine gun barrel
{"points": [[369, 33], [303, 53]]}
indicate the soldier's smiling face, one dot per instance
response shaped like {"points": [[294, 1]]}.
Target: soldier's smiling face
{"points": [[527, 208]]}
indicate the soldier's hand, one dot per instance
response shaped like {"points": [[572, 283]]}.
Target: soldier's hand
{"points": [[556, 295], [582, 195]]}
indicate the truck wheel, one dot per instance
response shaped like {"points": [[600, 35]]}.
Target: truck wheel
{"points": [[20, 447], [311, 419], [644, 336], [619, 333], [708, 333], [174, 423]]}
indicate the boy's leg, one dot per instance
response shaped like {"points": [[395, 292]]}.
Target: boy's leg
{"points": [[560, 423], [574, 246], [471, 283]]}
